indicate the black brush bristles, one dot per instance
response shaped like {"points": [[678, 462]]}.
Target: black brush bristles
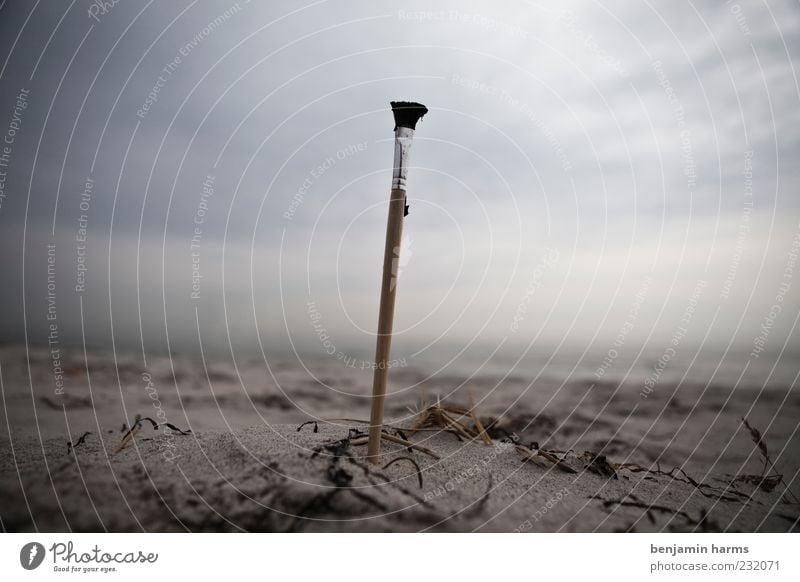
{"points": [[407, 113]]}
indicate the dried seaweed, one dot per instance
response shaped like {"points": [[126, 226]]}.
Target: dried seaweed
{"points": [[556, 461], [153, 423], [356, 433], [136, 427], [71, 446], [341, 449], [342, 479], [175, 428], [314, 422], [410, 460], [497, 432], [51, 403], [710, 491], [462, 422], [765, 483], [630, 500], [362, 440], [599, 465], [339, 476], [336, 448]]}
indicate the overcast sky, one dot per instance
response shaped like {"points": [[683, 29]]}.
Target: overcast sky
{"points": [[584, 169]]}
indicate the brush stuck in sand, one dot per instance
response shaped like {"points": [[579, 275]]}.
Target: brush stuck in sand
{"points": [[406, 116]]}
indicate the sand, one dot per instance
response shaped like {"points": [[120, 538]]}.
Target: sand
{"points": [[245, 466], [278, 479]]}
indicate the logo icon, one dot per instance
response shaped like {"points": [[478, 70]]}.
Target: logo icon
{"points": [[31, 555]]}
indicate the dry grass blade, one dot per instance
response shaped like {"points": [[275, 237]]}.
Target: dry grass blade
{"points": [[350, 420], [409, 444], [397, 440], [127, 438], [456, 425], [532, 456], [481, 431], [457, 410], [556, 461], [463, 422], [543, 458]]}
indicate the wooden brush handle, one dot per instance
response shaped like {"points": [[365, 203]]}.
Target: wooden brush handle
{"points": [[391, 266]]}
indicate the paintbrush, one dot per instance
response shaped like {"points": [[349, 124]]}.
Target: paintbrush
{"points": [[406, 116]]}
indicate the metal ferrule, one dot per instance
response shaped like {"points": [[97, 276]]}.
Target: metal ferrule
{"points": [[402, 148]]}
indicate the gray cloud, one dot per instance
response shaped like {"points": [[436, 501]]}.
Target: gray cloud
{"points": [[549, 129]]}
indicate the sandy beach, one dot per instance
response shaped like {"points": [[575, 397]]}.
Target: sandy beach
{"points": [[279, 479], [566, 457]]}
